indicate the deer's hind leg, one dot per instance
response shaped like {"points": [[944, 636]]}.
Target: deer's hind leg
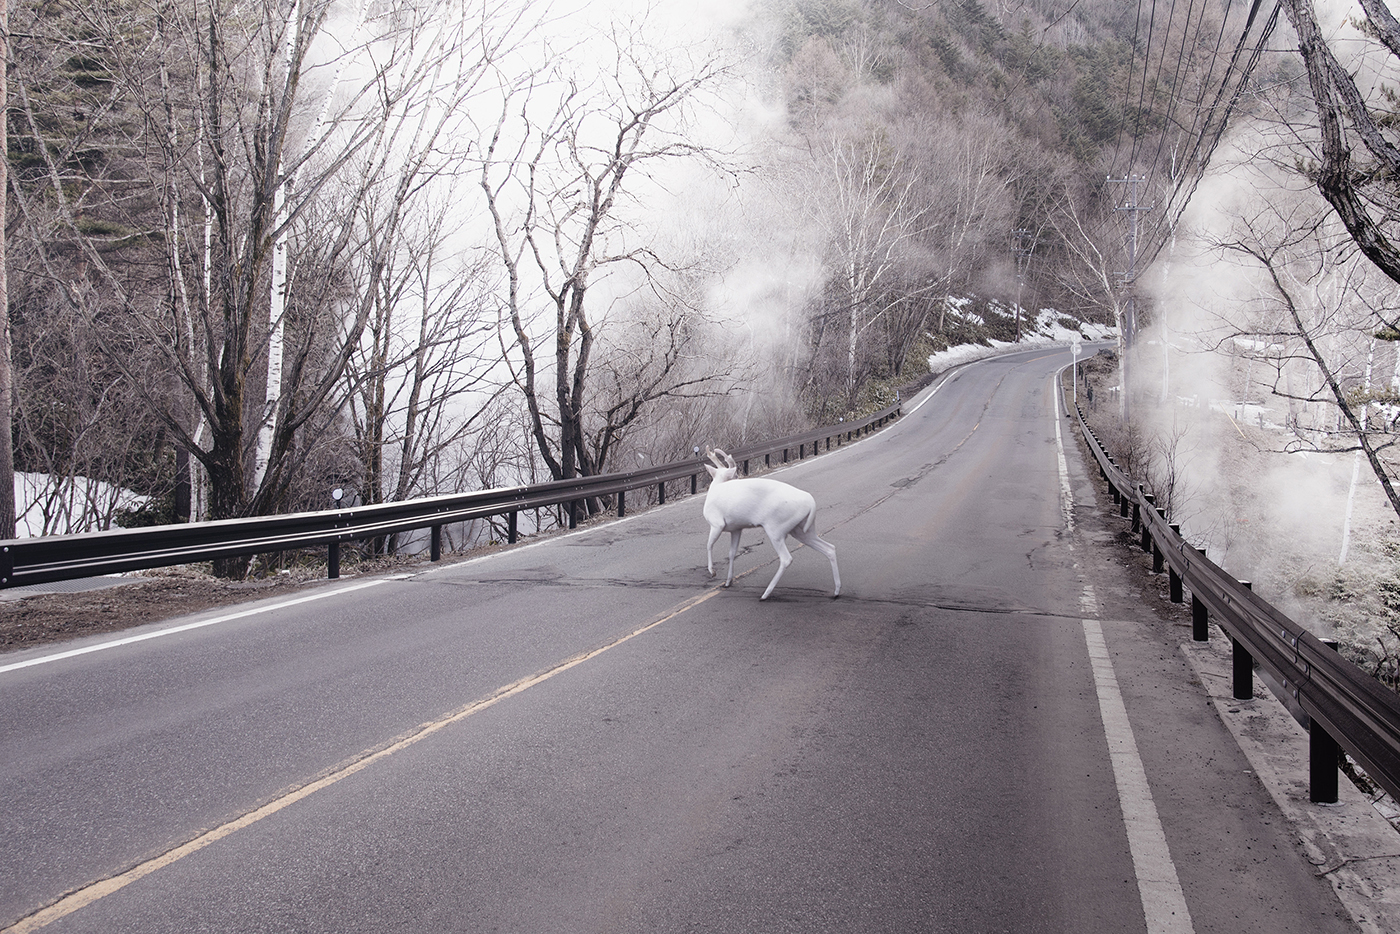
{"points": [[815, 541]]}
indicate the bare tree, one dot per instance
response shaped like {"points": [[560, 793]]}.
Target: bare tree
{"points": [[1092, 274], [1358, 181], [424, 374], [873, 219], [1320, 309], [969, 181], [252, 295], [657, 349], [560, 174], [7, 382]]}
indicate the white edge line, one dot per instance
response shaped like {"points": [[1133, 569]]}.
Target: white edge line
{"points": [[941, 383], [1163, 902], [198, 624], [1066, 491]]}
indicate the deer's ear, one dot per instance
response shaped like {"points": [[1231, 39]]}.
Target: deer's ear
{"points": [[711, 470]]}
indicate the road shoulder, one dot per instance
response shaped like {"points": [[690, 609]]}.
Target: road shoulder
{"points": [[1350, 843]]}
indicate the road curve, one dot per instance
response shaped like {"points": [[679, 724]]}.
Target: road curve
{"points": [[587, 734]]}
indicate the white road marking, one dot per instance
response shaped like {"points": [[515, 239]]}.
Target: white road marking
{"points": [[934, 392], [199, 624], [1066, 494], [1163, 903], [93, 891]]}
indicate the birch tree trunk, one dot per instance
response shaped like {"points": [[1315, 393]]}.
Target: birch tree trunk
{"points": [[7, 453]]}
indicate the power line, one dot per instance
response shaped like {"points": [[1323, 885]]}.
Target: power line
{"points": [[1173, 95], [1127, 91], [1208, 123], [1133, 207], [1142, 91], [1210, 136]]}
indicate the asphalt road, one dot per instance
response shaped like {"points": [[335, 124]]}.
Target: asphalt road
{"points": [[587, 734]]}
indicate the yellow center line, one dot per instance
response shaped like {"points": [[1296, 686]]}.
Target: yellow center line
{"points": [[93, 891]]}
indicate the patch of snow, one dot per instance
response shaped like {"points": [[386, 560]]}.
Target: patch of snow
{"points": [[47, 504], [959, 308], [1043, 330]]}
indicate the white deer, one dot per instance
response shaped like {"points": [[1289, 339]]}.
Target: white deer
{"points": [[754, 502]]}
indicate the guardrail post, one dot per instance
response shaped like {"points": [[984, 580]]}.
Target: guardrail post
{"points": [[802, 450], [435, 544], [1243, 670], [1146, 535], [1200, 620], [511, 523], [785, 450], [1323, 755], [1174, 579], [573, 513], [7, 566], [333, 561], [746, 466], [1157, 557], [661, 493], [1242, 664], [692, 484], [621, 503]]}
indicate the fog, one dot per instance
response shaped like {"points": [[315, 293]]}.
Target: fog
{"points": [[1237, 427]]}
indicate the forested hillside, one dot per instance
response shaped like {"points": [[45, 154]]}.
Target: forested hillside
{"points": [[257, 252], [941, 143]]}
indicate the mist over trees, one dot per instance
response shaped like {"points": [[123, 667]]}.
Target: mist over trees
{"points": [[1299, 224], [1258, 388], [969, 161], [258, 252], [558, 176]]}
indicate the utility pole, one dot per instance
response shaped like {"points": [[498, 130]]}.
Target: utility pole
{"points": [[1021, 244], [1129, 323]]}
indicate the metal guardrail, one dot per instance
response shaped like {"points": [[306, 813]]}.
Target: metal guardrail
{"points": [[25, 561], [1344, 705]]}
